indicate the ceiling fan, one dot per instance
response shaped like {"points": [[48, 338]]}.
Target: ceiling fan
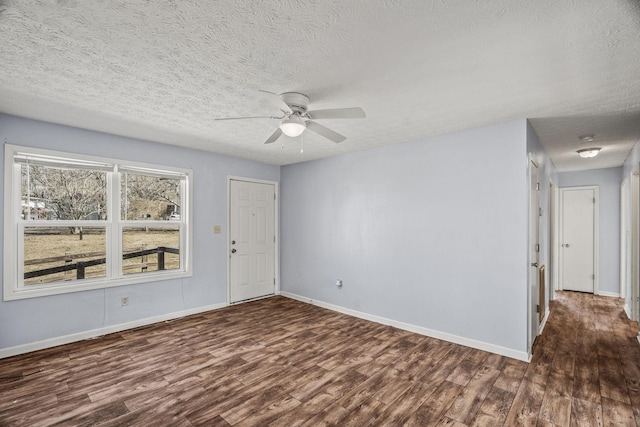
{"points": [[297, 118]]}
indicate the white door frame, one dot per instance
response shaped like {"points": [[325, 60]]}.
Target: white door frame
{"points": [[276, 230], [635, 242], [596, 235], [553, 243], [556, 239], [624, 228]]}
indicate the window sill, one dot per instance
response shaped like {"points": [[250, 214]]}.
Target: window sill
{"points": [[34, 291]]}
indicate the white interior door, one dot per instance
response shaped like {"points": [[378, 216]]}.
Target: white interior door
{"points": [[534, 252], [252, 240], [578, 239]]}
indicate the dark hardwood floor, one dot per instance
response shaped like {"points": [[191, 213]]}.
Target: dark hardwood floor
{"points": [[279, 362]]}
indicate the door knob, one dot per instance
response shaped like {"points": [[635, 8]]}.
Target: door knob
{"points": [[566, 246], [534, 264], [233, 251], [233, 242]]}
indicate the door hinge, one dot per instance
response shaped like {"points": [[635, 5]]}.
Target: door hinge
{"points": [[274, 196], [539, 211], [537, 247], [274, 239], [537, 186], [593, 277], [274, 280], [537, 308]]}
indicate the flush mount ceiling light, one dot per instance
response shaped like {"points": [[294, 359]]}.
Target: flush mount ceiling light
{"points": [[587, 153], [293, 126], [586, 138]]}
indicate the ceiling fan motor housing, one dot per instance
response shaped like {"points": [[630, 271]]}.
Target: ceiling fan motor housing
{"points": [[298, 102]]}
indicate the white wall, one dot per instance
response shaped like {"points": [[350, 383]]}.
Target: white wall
{"points": [[608, 180], [432, 233], [36, 319]]}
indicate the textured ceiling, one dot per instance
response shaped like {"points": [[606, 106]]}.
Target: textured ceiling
{"points": [[163, 70]]}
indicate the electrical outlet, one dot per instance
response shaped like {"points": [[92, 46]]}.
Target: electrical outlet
{"points": [[124, 301], [339, 283]]}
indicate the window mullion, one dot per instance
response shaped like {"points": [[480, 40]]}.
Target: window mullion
{"points": [[114, 260], [184, 220]]}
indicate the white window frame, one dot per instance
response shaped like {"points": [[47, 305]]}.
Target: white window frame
{"points": [[14, 224]]}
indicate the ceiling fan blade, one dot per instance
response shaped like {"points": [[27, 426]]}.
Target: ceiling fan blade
{"points": [[274, 136], [283, 105], [338, 113], [249, 117], [326, 132]]}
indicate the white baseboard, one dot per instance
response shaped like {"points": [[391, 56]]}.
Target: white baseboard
{"points": [[544, 321], [480, 345], [66, 339], [627, 311], [609, 294]]}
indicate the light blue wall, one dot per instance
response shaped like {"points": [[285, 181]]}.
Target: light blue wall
{"points": [[432, 232], [36, 319], [608, 180]]}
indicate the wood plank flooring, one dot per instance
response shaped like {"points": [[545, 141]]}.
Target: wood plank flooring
{"points": [[279, 362]]}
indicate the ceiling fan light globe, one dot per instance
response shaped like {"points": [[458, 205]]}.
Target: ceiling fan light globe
{"points": [[292, 127]]}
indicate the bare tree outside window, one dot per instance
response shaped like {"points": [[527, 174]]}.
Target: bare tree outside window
{"points": [[63, 194], [60, 194], [147, 197]]}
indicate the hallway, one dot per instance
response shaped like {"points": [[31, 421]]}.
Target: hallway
{"points": [[585, 369]]}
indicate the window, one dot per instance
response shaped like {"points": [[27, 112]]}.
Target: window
{"points": [[77, 222]]}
